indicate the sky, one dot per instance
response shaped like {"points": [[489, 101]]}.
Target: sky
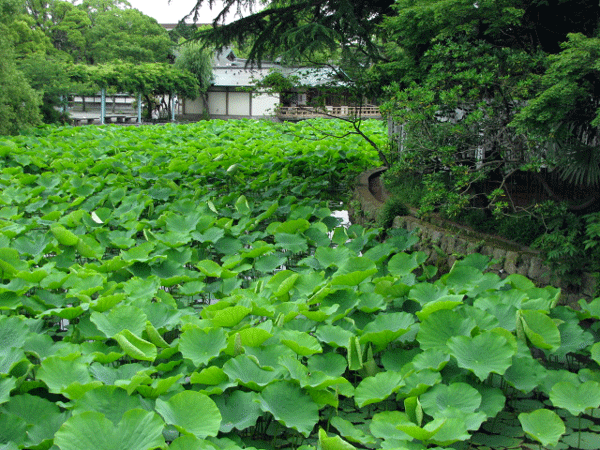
{"points": [[165, 12]]}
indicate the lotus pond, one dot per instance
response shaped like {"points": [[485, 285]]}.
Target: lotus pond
{"points": [[187, 287]]}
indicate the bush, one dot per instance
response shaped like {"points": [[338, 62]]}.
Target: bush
{"points": [[392, 208]]}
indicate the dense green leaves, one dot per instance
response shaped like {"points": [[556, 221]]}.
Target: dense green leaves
{"points": [[212, 317]]}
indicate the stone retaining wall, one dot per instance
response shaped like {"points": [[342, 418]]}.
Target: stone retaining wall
{"points": [[446, 243]]}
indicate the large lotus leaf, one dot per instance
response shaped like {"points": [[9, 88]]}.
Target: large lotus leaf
{"points": [[573, 339], [543, 425], [138, 430], [402, 264], [247, 372], [377, 388], [142, 288], [576, 398], [383, 425], [136, 347], [482, 354], [498, 306], [540, 330], [386, 328], [269, 263], [455, 429], [250, 337], [583, 440], [492, 400], [433, 359], [230, 316], [122, 317], [190, 442], [440, 326], [111, 401], [352, 433], [201, 345], [191, 412], [239, 410], [416, 383], [462, 278], [13, 430], [332, 364], [333, 335], [425, 433], [460, 396], [13, 332], [228, 245], [333, 443], [300, 342], [6, 385], [281, 283], [525, 373], [327, 256], [158, 386], [42, 417], [109, 375], [444, 302], [290, 406], [59, 373], [294, 243], [267, 355], [312, 379]]}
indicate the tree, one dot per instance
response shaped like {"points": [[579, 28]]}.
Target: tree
{"points": [[129, 36], [192, 57], [462, 73], [298, 29], [19, 103]]}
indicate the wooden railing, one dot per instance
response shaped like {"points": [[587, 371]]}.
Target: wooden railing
{"points": [[307, 112]]}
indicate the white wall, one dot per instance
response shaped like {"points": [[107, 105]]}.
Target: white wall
{"points": [[217, 103], [264, 104], [239, 103]]}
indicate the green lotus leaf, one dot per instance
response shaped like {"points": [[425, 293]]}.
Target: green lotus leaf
{"points": [[377, 388], [459, 396], [43, 418], [109, 375], [64, 236], [416, 383], [328, 257], [383, 426], [433, 359], [231, 316], [119, 318], [239, 410], [483, 354], [583, 440], [454, 429], [352, 433], [402, 263], [13, 332], [525, 373], [191, 412], [462, 278], [202, 345], [135, 346], [245, 370], [6, 385], [13, 430], [158, 386], [111, 401], [59, 373], [333, 335], [190, 442], [540, 330], [386, 328], [440, 326], [138, 430], [332, 364], [290, 406], [333, 443], [543, 425], [294, 243], [211, 376], [269, 263], [444, 302], [289, 226], [576, 398], [301, 343], [282, 282], [228, 245], [421, 433], [492, 400], [250, 337]]}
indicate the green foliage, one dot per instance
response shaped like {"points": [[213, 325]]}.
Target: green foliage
{"points": [[164, 300], [394, 206], [194, 59]]}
